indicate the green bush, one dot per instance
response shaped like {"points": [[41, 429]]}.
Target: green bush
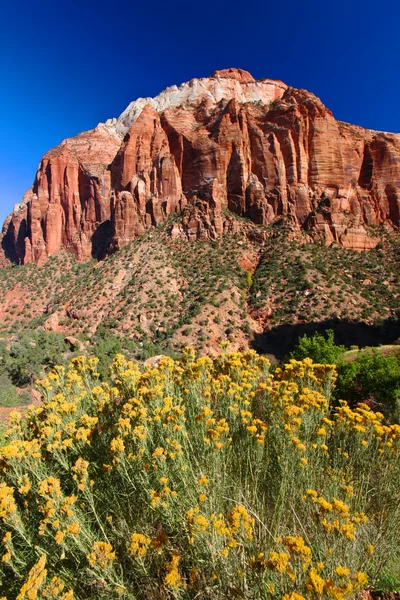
{"points": [[371, 377], [8, 393], [31, 354], [320, 348]]}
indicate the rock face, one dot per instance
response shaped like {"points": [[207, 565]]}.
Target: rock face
{"points": [[259, 149]]}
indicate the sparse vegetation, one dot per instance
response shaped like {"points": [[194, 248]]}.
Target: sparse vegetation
{"points": [[152, 291]]}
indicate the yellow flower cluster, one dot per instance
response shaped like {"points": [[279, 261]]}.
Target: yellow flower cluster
{"points": [[102, 555], [8, 506], [139, 544], [369, 424], [197, 522], [278, 561], [240, 519], [53, 590], [297, 546], [36, 577], [218, 454], [335, 515], [173, 578], [80, 470]]}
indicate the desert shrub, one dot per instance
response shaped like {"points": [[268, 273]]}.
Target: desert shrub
{"points": [[106, 345], [198, 478], [3, 429]]}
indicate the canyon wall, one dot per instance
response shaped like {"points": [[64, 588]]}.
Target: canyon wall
{"points": [[216, 145]]}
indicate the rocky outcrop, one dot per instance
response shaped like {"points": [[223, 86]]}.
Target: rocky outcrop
{"points": [[259, 149], [68, 202]]}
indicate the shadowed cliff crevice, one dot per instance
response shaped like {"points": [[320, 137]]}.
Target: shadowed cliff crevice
{"points": [[280, 340], [13, 243], [393, 197], [101, 240], [367, 169]]}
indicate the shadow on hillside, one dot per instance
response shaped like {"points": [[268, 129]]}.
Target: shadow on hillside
{"points": [[281, 340]]}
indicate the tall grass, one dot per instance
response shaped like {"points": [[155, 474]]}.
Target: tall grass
{"points": [[200, 478]]}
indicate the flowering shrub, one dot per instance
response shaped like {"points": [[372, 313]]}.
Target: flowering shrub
{"points": [[200, 478]]}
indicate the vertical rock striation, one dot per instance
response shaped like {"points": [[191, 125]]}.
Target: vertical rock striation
{"points": [[259, 149]]}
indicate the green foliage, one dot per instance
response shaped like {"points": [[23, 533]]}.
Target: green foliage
{"points": [[8, 393], [31, 354], [321, 348], [371, 377], [3, 429], [9, 396], [106, 345]]}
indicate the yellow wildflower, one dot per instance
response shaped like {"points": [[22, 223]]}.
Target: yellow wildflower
{"points": [[36, 577], [342, 571], [59, 537], [278, 561], [139, 544], [315, 582], [102, 555], [173, 578]]}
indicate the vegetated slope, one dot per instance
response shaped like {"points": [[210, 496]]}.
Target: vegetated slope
{"points": [[164, 294], [308, 282], [155, 291]]}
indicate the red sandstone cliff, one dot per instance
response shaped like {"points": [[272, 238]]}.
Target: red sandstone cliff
{"points": [[258, 148]]}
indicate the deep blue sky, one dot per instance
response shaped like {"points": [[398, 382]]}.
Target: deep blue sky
{"points": [[66, 66]]}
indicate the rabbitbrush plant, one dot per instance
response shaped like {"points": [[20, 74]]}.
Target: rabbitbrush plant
{"points": [[198, 478]]}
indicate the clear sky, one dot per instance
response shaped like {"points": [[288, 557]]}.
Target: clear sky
{"points": [[65, 66]]}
